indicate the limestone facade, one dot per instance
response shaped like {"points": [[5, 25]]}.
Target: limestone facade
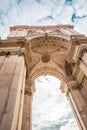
{"points": [[32, 51]]}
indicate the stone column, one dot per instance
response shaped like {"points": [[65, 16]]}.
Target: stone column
{"points": [[77, 103], [83, 64], [27, 111], [79, 108], [20, 114], [11, 81]]}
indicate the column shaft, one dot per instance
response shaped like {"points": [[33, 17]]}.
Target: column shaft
{"points": [[79, 106], [20, 115], [27, 113], [11, 74]]}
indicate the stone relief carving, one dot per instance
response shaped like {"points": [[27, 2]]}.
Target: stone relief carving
{"points": [[45, 58], [44, 46], [68, 68]]}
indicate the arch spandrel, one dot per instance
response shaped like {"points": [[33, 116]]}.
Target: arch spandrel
{"points": [[48, 54]]}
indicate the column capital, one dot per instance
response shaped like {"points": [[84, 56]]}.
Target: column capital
{"points": [[69, 84], [73, 85], [12, 51], [30, 87], [65, 89], [28, 91]]}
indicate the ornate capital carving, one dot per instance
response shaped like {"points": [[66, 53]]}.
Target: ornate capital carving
{"points": [[73, 85], [30, 87], [12, 51], [45, 58], [82, 50], [65, 89], [28, 91], [68, 68]]}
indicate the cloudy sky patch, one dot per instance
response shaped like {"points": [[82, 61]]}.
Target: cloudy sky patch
{"points": [[51, 109], [41, 12]]}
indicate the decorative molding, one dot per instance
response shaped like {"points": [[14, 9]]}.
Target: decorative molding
{"points": [[46, 70], [82, 51], [45, 58], [44, 27], [73, 85], [12, 51], [79, 51], [28, 91], [68, 68], [30, 86], [65, 89]]}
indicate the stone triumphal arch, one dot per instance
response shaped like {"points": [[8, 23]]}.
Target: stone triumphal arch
{"points": [[31, 51]]}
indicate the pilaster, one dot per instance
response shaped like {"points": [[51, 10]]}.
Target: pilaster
{"points": [[27, 110], [11, 82], [78, 103], [79, 107]]}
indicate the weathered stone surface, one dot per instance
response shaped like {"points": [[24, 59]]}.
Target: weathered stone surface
{"points": [[27, 118], [55, 50], [11, 107]]}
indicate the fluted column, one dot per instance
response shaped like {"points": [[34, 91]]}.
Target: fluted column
{"points": [[27, 110], [77, 102], [12, 73], [79, 107]]}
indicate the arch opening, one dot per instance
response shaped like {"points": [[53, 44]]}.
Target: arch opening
{"points": [[51, 110]]}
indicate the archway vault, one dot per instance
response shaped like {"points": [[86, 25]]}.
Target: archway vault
{"points": [[47, 54], [29, 52]]}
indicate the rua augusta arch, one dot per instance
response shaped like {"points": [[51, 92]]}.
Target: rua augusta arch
{"points": [[32, 51]]}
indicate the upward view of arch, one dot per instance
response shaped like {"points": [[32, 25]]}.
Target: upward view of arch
{"points": [[32, 51]]}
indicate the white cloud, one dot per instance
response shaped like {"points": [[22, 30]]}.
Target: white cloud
{"points": [[37, 12], [81, 26], [50, 106]]}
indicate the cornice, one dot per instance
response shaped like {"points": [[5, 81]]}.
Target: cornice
{"points": [[12, 51], [79, 51], [42, 27]]}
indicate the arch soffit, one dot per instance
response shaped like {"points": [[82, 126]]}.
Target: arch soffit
{"points": [[49, 37], [47, 71], [46, 38], [59, 42]]}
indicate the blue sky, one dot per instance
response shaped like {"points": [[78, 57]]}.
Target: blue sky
{"points": [[41, 12], [46, 12]]}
